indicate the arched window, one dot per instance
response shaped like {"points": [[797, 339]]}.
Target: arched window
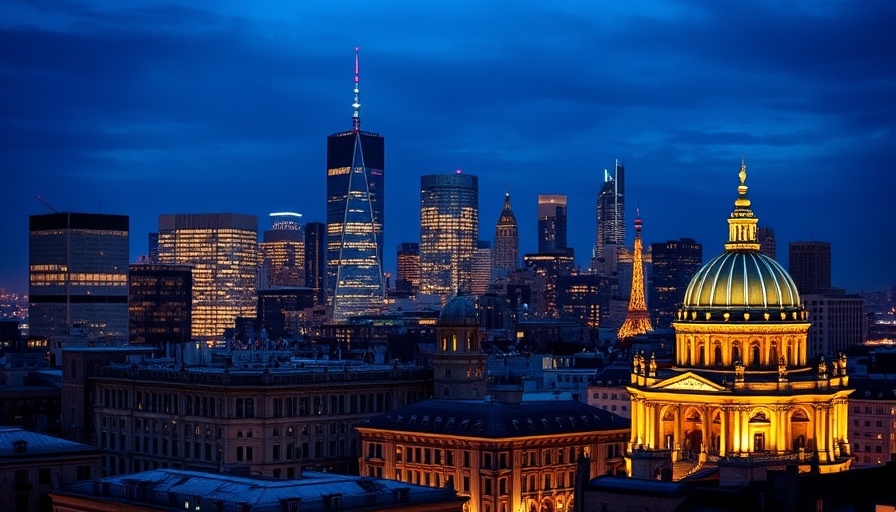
{"points": [[718, 355], [755, 360], [735, 353]]}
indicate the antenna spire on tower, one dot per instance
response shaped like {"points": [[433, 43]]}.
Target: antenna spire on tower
{"points": [[356, 116]]}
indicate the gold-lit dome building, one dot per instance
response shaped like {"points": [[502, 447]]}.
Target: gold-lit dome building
{"points": [[740, 394]]}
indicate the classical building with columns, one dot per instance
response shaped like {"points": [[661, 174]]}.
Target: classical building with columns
{"points": [[503, 453], [740, 394]]}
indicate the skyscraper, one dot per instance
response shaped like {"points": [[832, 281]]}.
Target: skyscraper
{"points": [[408, 267], [506, 257], [160, 301], [78, 274], [283, 251], [638, 319], [449, 229], [767, 244], [223, 250], [810, 266], [610, 217], [674, 264], [551, 222], [482, 267], [316, 260], [355, 194]]}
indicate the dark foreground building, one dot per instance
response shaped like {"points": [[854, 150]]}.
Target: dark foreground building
{"points": [[168, 489]]}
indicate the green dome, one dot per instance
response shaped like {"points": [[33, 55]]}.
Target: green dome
{"points": [[459, 311], [742, 280]]}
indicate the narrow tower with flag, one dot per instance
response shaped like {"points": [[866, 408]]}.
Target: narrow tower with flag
{"points": [[638, 319]]}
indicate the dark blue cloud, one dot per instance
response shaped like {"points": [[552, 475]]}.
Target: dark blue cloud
{"points": [[155, 108]]}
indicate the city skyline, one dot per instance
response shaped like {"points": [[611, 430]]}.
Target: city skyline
{"points": [[157, 109]]}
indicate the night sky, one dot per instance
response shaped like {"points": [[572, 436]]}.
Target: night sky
{"points": [[144, 108]]}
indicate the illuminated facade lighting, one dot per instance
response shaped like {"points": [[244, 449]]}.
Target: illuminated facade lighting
{"points": [[506, 257], [222, 248], [283, 251], [78, 274], [449, 230], [610, 220]]}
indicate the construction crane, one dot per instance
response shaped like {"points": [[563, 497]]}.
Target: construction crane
{"points": [[48, 204]]}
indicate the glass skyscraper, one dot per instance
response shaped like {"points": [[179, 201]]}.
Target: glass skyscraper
{"points": [[449, 230], [160, 301], [355, 162], [78, 274], [674, 264], [355, 194], [283, 251], [551, 223], [223, 251], [610, 220]]}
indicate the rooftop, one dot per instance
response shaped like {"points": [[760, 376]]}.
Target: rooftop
{"points": [[193, 489], [35, 444]]}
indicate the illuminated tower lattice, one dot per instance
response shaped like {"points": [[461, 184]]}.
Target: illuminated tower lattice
{"points": [[638, 319], [355, 163]]}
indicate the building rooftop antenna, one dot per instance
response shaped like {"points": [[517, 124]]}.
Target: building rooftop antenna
{"points": [[356, 116], [47, 204]]}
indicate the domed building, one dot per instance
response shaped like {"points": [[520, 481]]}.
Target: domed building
{"points": [[740, 394]]}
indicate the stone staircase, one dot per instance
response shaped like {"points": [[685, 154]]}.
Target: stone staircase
{"points": [[684, 468]]}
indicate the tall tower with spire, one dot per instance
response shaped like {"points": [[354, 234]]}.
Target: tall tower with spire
{"points": [[507, 242], [638, 319], [610, 234], [355, 197]]}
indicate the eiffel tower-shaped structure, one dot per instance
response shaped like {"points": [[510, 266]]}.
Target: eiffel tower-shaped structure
{"points": [[638, 319]]}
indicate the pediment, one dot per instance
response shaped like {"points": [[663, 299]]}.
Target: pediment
{"points": [[689, 382]]}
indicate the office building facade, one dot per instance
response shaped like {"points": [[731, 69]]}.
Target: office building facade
{"points": [[674, 263], [316, 260], [810, 266], [408, 278], [282, 251], [767, 242], [506, 256], [160, 303], [222, 248], [482, 267], [551, 222], [610, 220], [78, 273], [449, 230], [355, 194]]}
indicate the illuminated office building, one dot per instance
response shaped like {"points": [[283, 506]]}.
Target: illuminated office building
{"points": [[742, 394], [674, 262], [449, 230], [355, 195], [160, 303], [610, 234], [222, 248], [316, 260], [548, 268], [283, 251], [507, 242], [408, 267], [78, 274], [481, 267], [551, 222]]}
